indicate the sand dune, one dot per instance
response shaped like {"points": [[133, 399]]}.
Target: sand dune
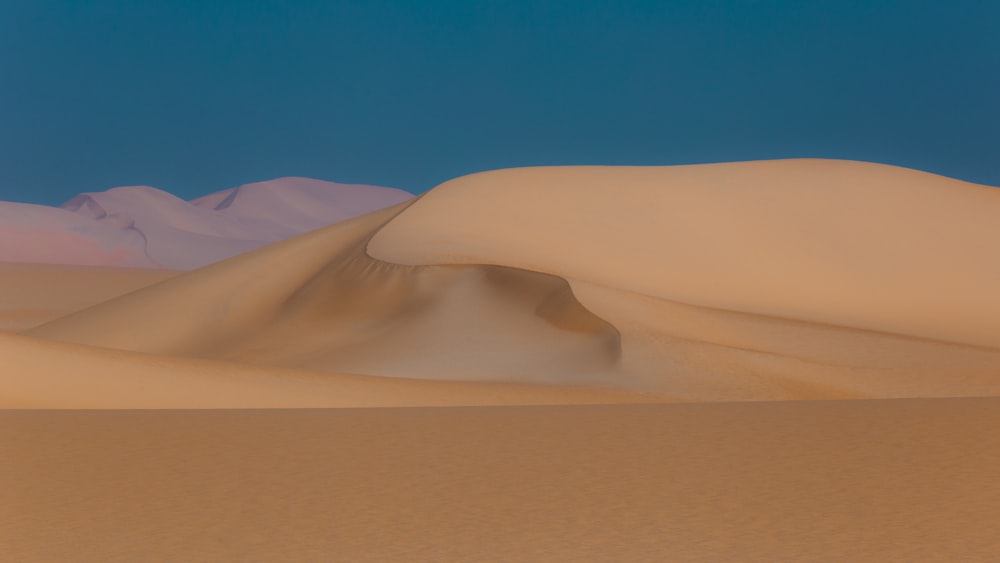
{"points": [[332, 308], [32, 294], [752, 281], [40, 374], [845, 243], [141, 226]]}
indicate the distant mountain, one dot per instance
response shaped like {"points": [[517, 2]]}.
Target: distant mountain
{"points": [[142, 226], [36, 233]]}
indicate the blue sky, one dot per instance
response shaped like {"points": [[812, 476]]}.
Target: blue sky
{"points": [[194, 96]]}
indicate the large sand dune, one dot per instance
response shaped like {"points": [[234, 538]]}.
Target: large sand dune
{"points": [[751, 281]]}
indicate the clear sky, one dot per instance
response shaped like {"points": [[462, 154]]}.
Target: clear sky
{"points": [[194, 96]]}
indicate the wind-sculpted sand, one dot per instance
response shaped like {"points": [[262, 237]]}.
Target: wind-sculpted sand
{"points": [[32, 294], [746, 281], [748, 289]]}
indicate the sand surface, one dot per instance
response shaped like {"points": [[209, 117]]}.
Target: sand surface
{"points": [[41, 374], [749, 281], [887, 480], [767, 361], [32, 294]]}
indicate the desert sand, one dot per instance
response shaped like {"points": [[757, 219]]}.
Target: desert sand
{"points": [[746, 281], [32, 294], [880, 480], [821, 339]]}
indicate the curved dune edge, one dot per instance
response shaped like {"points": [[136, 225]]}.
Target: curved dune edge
{"points": [[844, 243], [518, 276], [40, 374]]}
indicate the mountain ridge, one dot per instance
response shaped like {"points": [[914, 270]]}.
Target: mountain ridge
{"points": [[145, 226]]}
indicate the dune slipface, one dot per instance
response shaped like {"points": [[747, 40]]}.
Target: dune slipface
{"points": [[141, 226], [745, 281]]}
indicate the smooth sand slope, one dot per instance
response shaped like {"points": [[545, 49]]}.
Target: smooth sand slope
{"points": [[32, 294], [141, 226], [799, 279], [40, 374], [896, 480]]}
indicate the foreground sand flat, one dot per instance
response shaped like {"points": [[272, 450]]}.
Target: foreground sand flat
{"points": [[880, 480]]}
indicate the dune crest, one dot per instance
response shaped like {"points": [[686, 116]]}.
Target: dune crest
{"points": [[799, 279], [845, 243]]}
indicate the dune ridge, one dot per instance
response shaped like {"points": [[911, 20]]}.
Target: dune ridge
{"points": [[333, 308], [715, 290]]}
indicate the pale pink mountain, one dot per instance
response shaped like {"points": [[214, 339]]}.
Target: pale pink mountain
{"points": [[37, 233], [141, 226]]}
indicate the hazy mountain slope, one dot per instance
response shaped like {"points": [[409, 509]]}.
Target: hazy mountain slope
{"points": [[148, 227]]}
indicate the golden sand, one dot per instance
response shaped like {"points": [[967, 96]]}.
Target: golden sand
{"points": [[820, 342]]}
